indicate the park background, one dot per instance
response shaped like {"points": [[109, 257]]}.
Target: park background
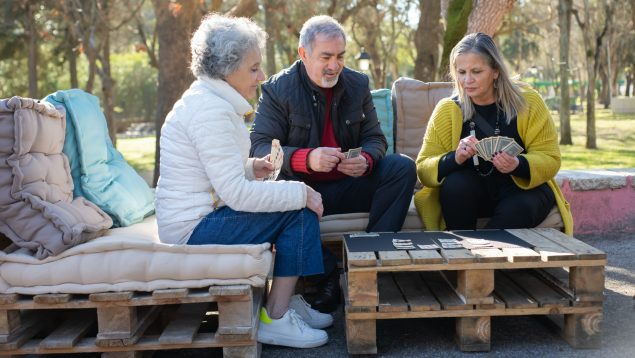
{"points": [[134, 56]]}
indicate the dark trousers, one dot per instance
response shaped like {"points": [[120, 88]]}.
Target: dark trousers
{"points": [[385, 194], [466, 196]]}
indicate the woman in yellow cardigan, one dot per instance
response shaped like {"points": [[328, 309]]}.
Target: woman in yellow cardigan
{"points": [[459, 187]]}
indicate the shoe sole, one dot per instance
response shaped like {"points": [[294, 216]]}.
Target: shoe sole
{"points": [[321, 325], [285, 341]]}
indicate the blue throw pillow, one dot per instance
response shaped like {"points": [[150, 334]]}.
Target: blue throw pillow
{"points": [[383, 106], [99, 171]]}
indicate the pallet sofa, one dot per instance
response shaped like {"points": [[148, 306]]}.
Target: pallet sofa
{"points": [[68, 284], [406, 118]]}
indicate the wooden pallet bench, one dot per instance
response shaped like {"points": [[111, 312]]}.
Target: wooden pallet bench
{"points": [[124, 324], [560, 277]]}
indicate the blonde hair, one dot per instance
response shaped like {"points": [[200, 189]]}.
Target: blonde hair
{"points": [[508, 93]]}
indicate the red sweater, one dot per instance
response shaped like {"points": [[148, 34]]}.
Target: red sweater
{"points": [[300, 156]]}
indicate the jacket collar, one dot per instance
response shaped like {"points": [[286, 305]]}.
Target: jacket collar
{"points": [[223, 90], [338, 90]]}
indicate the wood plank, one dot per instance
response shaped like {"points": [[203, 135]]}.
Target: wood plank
{"points": [[458, 256], [170, 293], [8, 298], [74, 328], [510, 293], [537, 289], [521, 254], [361, 259], [587, 283], [186, 323], [393, 258], [361, 336], [30, 326], [111, 296], [583, 251], [425, 256], [441, 289], [475, 286], [230, 290], [489, 255], [390, 298], [235, 317], [10, 321], [52, 298], [473, 334], [417, 293], [548, 250], [362, 288], [120, 328], [250, 351]]}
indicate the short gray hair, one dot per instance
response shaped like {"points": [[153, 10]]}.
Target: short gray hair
{"points": [[221, 42], [320, 25]]}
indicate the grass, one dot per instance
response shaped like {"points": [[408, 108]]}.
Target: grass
{"points": [[615, 141]]}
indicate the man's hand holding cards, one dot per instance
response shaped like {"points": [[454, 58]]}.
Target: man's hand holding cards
{"points": [[354, 152], [354, 163], [276, 158]]}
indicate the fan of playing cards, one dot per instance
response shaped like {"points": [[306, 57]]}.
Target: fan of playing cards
{"points": [[487, 147], [353, 152], [276, 157]]}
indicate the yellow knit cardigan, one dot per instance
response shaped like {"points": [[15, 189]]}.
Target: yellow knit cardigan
{"points": [[537, 130]]}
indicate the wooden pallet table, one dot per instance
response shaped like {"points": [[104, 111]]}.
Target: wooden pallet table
{"points": [[124, 324], [561, 276]]}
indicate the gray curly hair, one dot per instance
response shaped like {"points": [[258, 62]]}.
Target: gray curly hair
{"points": [[322, 25], [221, 42]]}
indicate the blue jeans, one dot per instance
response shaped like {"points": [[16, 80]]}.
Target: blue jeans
{"points": [[295, 234]]}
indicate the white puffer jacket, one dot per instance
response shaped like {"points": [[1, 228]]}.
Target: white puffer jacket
{"points": [[204, 163]]}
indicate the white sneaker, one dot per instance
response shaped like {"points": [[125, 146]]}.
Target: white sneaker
{"points": [[314, 318], [290, 330]]}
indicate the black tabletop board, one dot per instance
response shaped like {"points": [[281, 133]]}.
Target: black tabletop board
{"points": [[366, 242], [499, 238], [383, 241]]}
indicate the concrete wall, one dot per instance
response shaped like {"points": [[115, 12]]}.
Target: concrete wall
{"points": [[601, 200]]}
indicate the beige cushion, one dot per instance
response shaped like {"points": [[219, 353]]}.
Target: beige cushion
{"points": [[133, 259], [413, 103], [333, 226], [37, 209]]}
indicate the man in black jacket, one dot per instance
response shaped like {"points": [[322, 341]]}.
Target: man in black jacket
{"points": [[319, 110]]}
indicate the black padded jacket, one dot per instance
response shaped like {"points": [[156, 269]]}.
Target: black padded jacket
{"points": [[292, 110]]}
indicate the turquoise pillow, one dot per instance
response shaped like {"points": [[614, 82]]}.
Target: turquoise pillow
{"points": [[99, 171], [383, 106]]}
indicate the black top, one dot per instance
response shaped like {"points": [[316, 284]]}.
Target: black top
{"points": [[490, 113]]}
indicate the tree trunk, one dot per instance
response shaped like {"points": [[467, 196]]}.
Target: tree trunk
{"points": [[244, 8], [564, 17], [71, 56], [32, 44], [108, 86], [591, 142], [427, 40], [487, 15], [174, 31], [272, 28], [457, 14]]}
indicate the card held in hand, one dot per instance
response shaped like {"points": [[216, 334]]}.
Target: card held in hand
{"points": [[487, 147], [276, 157], [354, 152]]}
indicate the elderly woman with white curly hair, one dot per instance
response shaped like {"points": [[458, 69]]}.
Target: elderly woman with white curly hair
{"points": [[211, 192]]}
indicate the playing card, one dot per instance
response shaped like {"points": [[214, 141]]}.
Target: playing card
{"points": [[513, 149], [428, 247], [354, 152], [503, 142], [276, 157]]}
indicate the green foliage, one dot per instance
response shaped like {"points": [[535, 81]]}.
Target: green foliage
{"points": [[136, 86]]}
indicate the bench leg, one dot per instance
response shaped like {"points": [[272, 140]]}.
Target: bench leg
{"points": [[242, 352], [583, 330], [473, 334], [361, 336]]}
